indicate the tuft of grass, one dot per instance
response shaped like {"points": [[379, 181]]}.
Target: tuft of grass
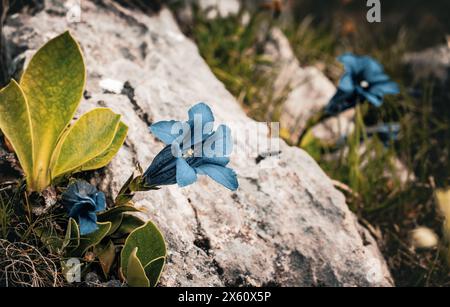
{"points": [[23, 265]]}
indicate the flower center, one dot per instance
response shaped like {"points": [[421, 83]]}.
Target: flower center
{"points": [[188, 154], [364, 84]]}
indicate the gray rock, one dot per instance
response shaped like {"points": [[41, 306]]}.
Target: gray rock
{"points": [[213, 8], [305, 91], [220, 8], [286, 225], [432, 62]]}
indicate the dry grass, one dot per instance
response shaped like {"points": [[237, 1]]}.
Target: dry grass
{"points": [[22, 265]]}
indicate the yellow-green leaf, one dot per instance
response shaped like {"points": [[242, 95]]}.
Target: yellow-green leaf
{"points": [[136, 275], [16, 125], [53, 85], [90, 136], [105, 157]]}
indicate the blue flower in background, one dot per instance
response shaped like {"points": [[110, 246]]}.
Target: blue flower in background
{"points": [[193, 148], [82, 201], [364, 79], [386, 132]]}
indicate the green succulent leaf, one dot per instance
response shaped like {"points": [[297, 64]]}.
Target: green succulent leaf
{"points": [[116, 217], [106, 156], [72, 237], [16, 125], [92, 239], [136, 274], [106, 254], [118, 210], [116, 221], [35, 116], [148, 244], [89, 137], [154, 269], [128, 225], [53, 86]]}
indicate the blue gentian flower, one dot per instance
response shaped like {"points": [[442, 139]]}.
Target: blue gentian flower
{"points": [[82, 201], [364, 79], [386, 132], [193, 148]]}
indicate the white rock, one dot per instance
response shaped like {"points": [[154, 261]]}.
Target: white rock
{"points": [[220, 8], [110, 85], [423, 237]]}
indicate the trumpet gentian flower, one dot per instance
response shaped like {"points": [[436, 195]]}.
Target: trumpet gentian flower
{"points": [[364, 79], [386, 132], [82, 201], [193, 148]]}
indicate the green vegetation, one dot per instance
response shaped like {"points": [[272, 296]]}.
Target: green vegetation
{"points": [[35, 115], [51, 218]]}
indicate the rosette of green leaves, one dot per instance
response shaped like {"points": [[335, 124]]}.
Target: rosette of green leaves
{"points": [[35, 116]]}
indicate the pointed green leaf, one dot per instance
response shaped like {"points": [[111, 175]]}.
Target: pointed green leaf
{"points": [[116, 216], [53, 85], [91, 135], [16, 125], [72, 238], [105, 157], [154, 269], [116, 221], [128, 225], [106, 255], [118, 210], [150, 243], [136, 275], [92, 239]]}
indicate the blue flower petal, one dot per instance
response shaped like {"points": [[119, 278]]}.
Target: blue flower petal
{"points": [[347, 84], [219, 144], [376, 100], [185, 173], [79, 206], [203, 110], [222, 175], [167, 131], [87, 225], [376, 78], [100, 202], [162, 159], [352, 63], [385, 88], [82, 201], [201, 120], [371, 67]]}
